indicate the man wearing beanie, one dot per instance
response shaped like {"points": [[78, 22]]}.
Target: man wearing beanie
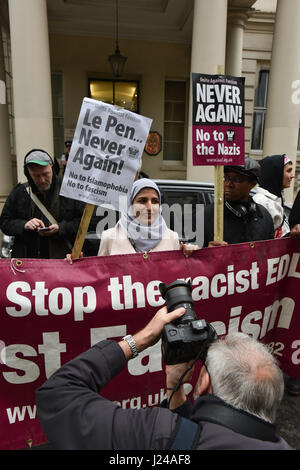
{"points": [[43, 223]]}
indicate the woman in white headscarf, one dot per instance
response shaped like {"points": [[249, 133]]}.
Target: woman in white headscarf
{"points": [[142, 228]]}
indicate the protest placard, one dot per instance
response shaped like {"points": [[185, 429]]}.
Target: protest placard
{"points": [[105, 155], [218, 120], [218, 130]]}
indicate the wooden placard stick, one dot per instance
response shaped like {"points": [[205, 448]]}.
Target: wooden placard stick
{"points": [[82, 230], [219, 192], [219, 204]]}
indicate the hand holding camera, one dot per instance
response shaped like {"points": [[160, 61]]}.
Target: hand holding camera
{"points": [[187, 338], [151, 333]]}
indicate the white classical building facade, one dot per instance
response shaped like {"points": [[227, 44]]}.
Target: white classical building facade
{"points": [[53, 53]]}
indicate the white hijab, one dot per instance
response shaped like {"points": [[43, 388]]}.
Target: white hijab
{"points": [[142, 237]]}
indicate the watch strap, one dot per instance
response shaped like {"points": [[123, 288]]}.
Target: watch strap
{"points": [[132, 344]]}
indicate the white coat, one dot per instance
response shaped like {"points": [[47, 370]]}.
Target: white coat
{"points": [[274, 206], [115, 242]]}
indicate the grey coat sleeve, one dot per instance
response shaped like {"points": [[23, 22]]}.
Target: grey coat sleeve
{"points": [[74, 416]]}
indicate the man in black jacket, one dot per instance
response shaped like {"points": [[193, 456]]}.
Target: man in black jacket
{"points": [[237, 394], [244, 220], [35, 235]]}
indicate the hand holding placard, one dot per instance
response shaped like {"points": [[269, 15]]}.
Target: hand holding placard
{"points": [[105, 155]]}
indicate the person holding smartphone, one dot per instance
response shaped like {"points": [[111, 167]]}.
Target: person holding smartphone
{"points": [[35, 236]]}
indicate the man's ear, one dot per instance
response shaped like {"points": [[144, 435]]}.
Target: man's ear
{"points": [[203, 385]]}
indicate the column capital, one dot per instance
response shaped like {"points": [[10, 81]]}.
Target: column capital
{"points": [[238, 16]]}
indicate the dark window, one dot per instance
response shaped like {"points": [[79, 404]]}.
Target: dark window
{"points": [[260, 109], [183, 212], [174, 120], [58, 113]]}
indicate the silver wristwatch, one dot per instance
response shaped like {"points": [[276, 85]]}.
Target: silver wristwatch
{"points": [[134, 350]]}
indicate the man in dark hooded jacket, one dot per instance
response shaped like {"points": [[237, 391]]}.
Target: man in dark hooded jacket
{"points": [[275, 176], [244, 219], [35, 235]]}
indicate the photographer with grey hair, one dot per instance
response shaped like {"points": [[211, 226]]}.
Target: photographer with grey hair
{"points": [[236, 396], [254, 385]]}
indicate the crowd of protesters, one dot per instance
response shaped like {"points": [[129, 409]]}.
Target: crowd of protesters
{"points": [[246, 217], [45, 225]]}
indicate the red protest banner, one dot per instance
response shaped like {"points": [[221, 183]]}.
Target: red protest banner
{"points": [[52, 311]]}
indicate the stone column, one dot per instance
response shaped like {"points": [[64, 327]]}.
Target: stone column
{"points": [[235, 38], [283, 108], [6, 179], [208, 56], [31, 77]]}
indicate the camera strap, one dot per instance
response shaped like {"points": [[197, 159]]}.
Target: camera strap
{"points": [[238, 421], [218, 412], [187, 435]]}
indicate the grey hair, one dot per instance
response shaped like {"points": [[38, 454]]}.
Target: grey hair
{"points": [[245, 375]]}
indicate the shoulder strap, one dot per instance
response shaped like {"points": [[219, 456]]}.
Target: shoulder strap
{"points": [[238, 421], [41, 206], [187, 435]]}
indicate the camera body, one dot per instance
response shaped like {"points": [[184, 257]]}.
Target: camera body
{"points": [[188, 337]]}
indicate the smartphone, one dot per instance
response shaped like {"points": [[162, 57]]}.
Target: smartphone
{"points": [[45, 228]]}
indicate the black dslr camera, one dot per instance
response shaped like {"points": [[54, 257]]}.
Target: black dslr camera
{"points": [[188, 337]]}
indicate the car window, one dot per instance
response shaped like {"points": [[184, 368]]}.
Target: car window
{"points": [[183, 197], [209, 197], [182, 210]]}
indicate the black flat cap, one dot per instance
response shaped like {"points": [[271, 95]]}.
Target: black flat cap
{"points": [[251, 168]]}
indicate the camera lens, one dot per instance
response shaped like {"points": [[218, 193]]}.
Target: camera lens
{"points": [[178, 294]]}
